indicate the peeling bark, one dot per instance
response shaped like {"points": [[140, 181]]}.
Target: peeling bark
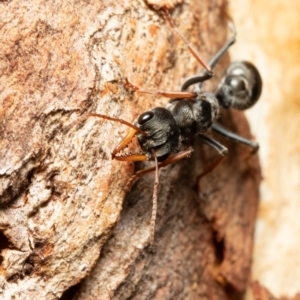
{"points": [[62, 195]]}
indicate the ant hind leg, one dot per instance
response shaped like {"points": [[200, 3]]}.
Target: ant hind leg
{"points": [[235, 137]]}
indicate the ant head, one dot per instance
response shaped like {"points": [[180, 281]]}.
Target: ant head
{"points": [[162, 133], [241, 86]]}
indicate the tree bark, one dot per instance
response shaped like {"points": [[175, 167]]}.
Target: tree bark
{"points": [[275, 121], [61, 194]]}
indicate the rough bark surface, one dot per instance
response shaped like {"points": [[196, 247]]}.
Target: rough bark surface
{"points": [[61, 194]]}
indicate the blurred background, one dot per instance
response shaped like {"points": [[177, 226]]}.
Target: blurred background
{"points": [[268, 34]]}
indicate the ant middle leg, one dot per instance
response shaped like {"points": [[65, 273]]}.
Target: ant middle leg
{"points": [[196, 79], [167, 94], [181, 94], [191, 48], [174, 95], [222, 150], [213, 61]]}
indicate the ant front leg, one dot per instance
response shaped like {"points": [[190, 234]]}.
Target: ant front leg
{"points": [[172, 159]]}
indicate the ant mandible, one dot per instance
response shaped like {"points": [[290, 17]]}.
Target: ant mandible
{"points": [[161, 131]]}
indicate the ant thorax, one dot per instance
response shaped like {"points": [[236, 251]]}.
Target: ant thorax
{"points": [[194, 116]]}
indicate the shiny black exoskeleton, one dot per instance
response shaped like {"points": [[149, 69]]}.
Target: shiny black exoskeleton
{"points": [[183, 119], [162, 133], [241, 86]]}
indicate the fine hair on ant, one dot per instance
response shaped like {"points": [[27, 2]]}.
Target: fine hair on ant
{"points": [[161, 131]]}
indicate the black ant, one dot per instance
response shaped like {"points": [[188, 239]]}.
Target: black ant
{"points": [[161, 131]]}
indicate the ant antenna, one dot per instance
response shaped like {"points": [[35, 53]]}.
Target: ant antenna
{"points": [[154, 200], [117, 120], [191, 48], [84, 117]]}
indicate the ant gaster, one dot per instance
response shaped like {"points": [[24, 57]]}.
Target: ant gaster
{"points": [[161, 131]]}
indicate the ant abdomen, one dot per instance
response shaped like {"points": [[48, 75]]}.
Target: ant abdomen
{"points": [[162, 133], [240, 87]]}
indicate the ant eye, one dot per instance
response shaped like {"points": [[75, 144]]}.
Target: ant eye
{"points": [[236, 82], [145, 117]]}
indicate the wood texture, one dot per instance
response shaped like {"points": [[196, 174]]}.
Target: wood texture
{"points": [[62, 195]]}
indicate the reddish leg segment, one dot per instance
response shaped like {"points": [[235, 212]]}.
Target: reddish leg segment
{"points": [[154, 201], [172, 159], [191, 48]]}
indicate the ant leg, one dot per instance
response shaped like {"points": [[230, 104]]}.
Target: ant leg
{"points": [[170, 160], [131, 157], [154, 201], [222, 150], [233, 136], [213, 61], [167, 94], [178, 95], [191, 48], [196, 79]]}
